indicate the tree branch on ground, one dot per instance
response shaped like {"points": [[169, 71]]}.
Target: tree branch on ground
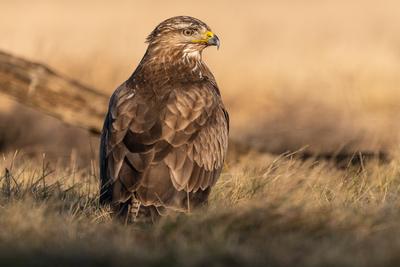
{"points": [[39, 87]]}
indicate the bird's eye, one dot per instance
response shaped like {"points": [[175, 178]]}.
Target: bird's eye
{"points": [[188, 32]]}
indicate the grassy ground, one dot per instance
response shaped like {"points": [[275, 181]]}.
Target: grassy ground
{"points": [[265, 210]]}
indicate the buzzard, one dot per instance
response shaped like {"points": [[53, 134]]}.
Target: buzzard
{"points": [[165, 135]]}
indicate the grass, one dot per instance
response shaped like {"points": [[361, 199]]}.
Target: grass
{"points": [[265, 210]]}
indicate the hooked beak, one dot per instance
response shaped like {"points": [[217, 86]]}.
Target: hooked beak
{"points": [[214, 40], [209, 39]]}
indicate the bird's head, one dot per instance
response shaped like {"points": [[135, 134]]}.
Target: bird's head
{"points": [[185, 33]]}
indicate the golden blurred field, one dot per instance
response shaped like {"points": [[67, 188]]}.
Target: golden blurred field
{"points": [[320, 76]]}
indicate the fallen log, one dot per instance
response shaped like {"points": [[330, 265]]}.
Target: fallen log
{"points": [[39, 87]]}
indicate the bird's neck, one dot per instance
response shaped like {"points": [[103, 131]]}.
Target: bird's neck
{"points": [[174, 65]]}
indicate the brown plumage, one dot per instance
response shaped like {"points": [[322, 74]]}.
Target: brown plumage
{"points": [[165, 135]]}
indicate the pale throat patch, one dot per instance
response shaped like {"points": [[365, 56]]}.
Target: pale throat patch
{"points": [[191, 56]]}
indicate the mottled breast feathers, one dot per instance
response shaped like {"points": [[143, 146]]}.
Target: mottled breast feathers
{"points": [[181, 137]]}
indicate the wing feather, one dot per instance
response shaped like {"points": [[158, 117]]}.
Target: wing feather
{"points": [[202, 140]]}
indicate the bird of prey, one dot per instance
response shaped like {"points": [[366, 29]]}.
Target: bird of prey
{"points": [[165, 135]]}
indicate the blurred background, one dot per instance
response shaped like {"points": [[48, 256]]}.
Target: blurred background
{"points": [[319, 75]]}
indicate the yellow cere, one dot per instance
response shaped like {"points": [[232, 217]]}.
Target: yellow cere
{"points": [[208, 35]]}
